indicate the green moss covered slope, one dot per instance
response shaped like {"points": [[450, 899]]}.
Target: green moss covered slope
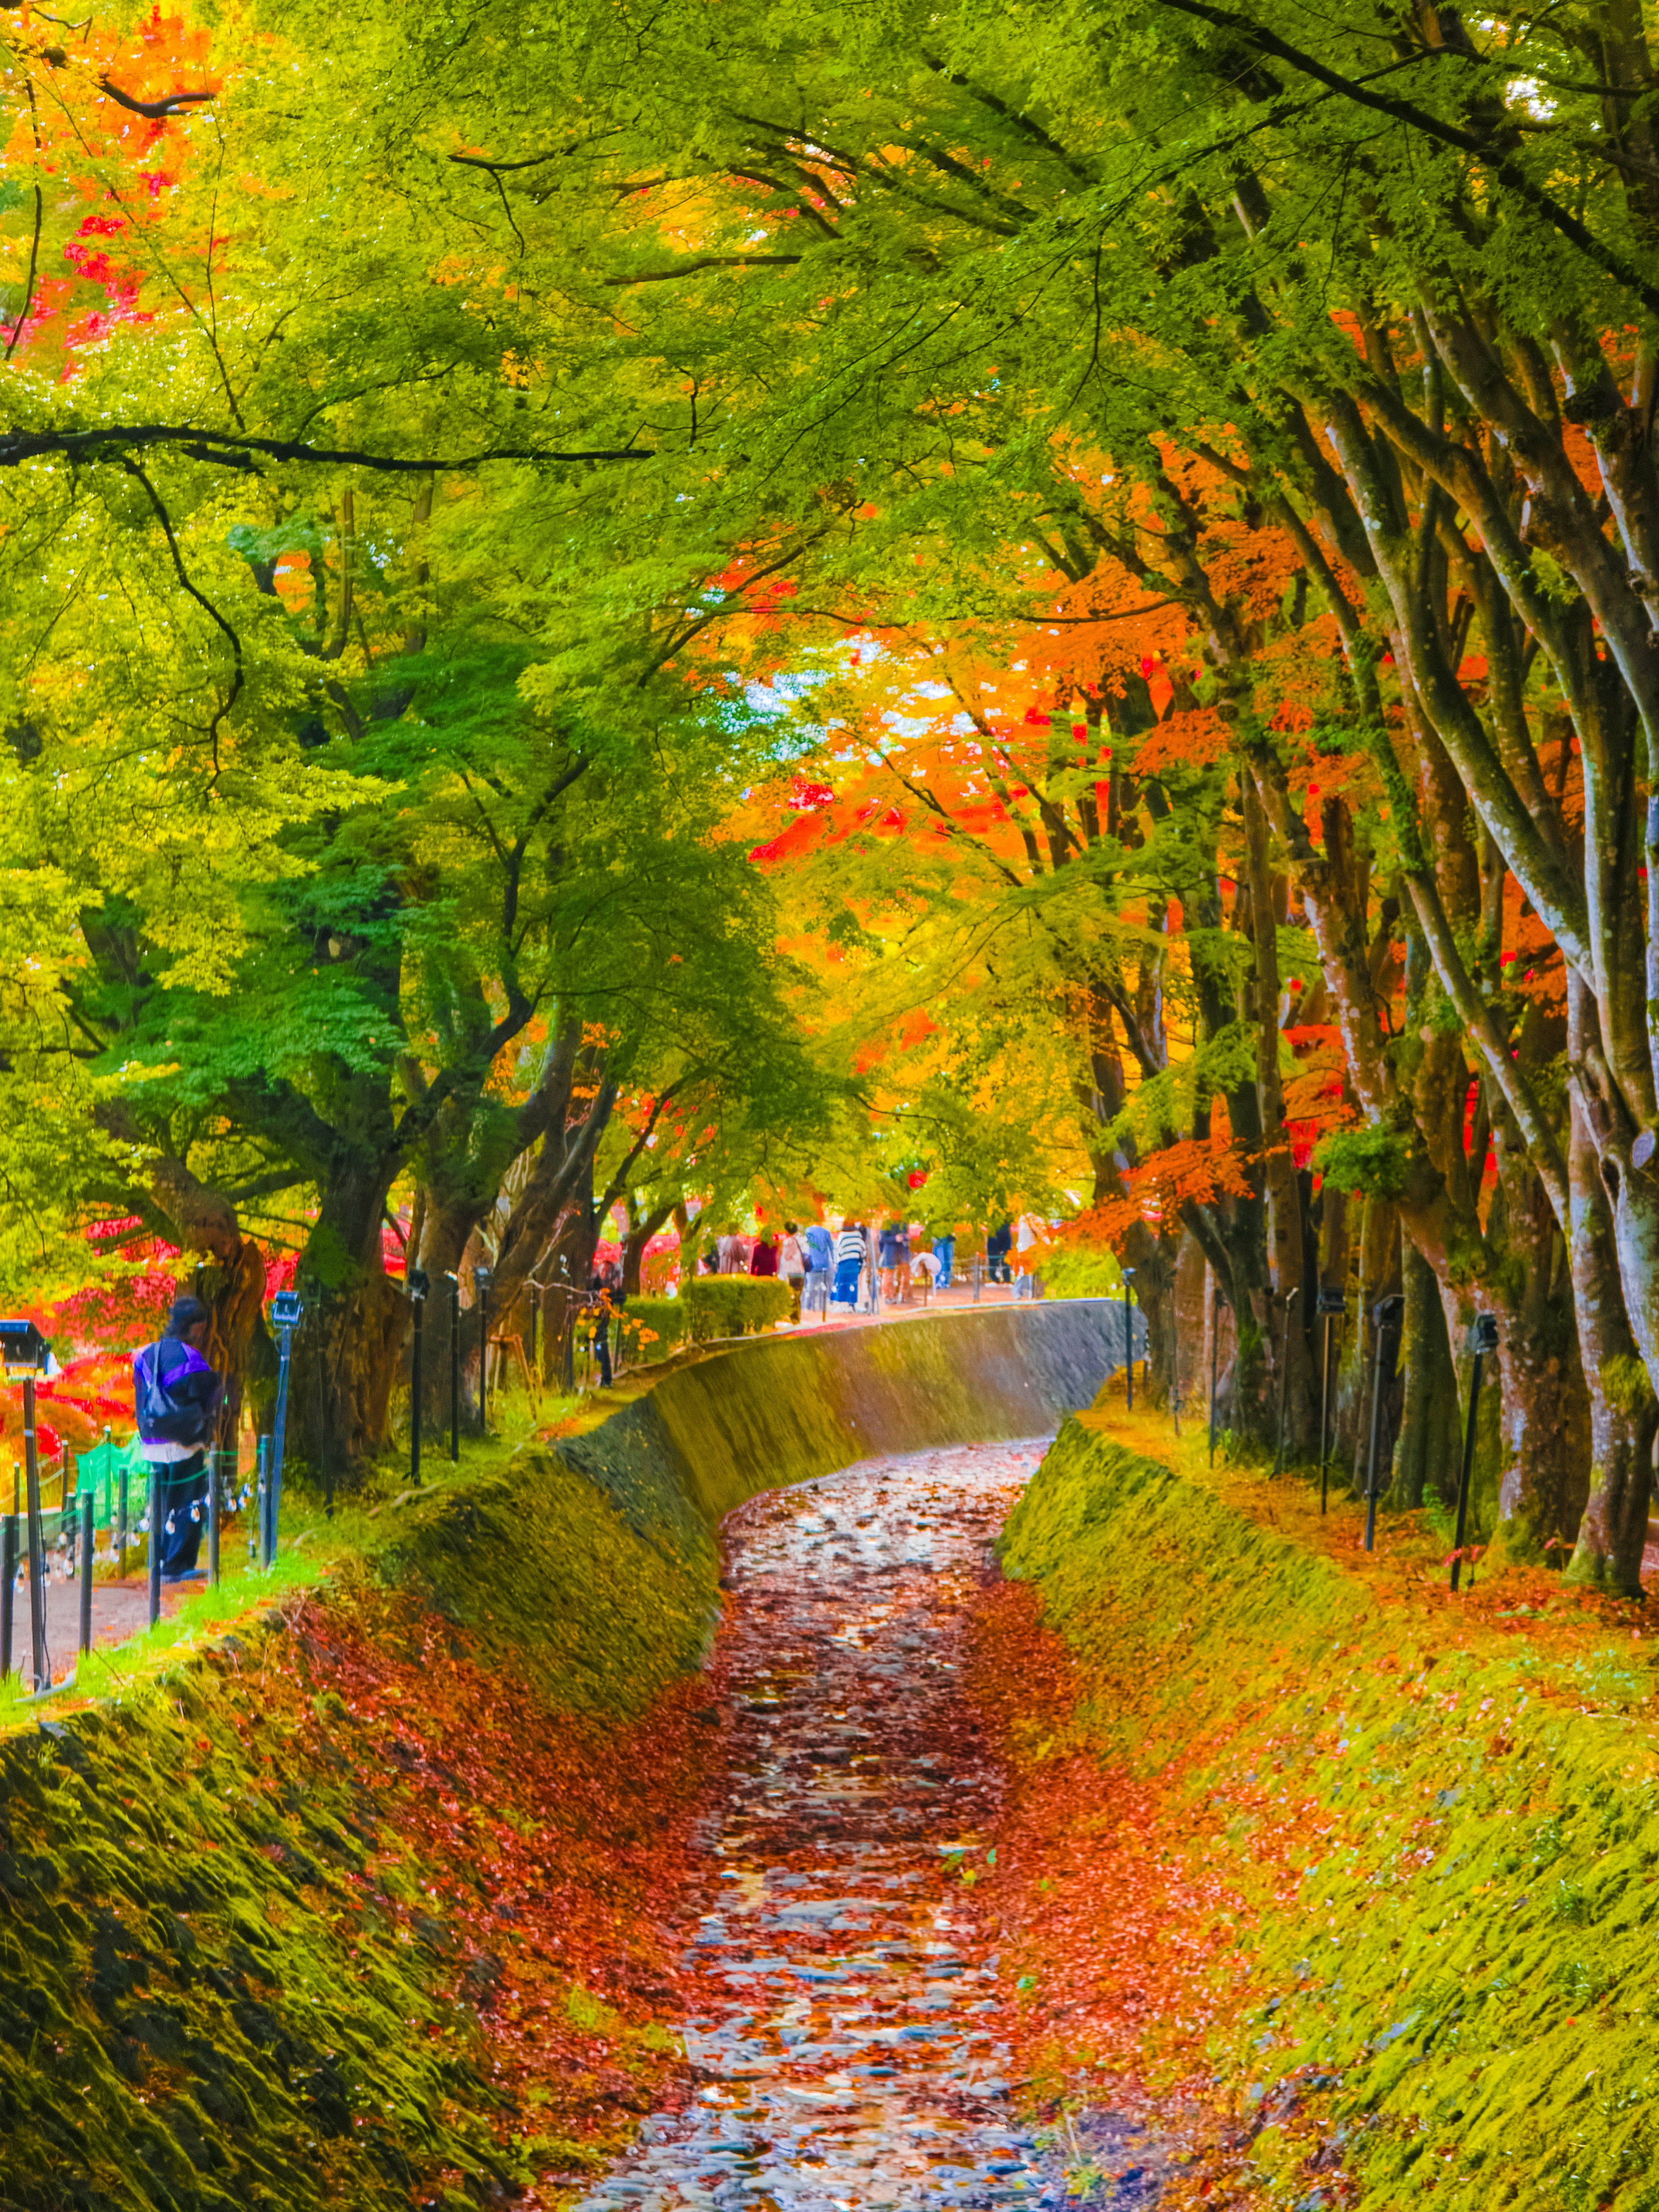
{"points": [[1445, 1837], [256, 1919]]}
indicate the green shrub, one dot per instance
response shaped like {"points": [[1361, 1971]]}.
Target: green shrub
{"points": [[1082, 1271], [650, 1328], [734, 1305]]}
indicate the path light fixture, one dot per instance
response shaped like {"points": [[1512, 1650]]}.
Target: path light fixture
{"points": [[1332, 1306], [1386, 1315], [419, 1285], [1128, 1344], [483, 1281], [1483, 1339], [26, 1356], [287, 1309]]}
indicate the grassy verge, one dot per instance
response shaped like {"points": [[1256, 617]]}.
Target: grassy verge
{"points": [[1363, 1865]]}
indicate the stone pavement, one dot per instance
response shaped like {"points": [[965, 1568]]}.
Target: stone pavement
{"points": [[119, 1610], [848, 2049]]}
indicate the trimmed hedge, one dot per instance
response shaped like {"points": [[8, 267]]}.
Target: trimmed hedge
{"points": [[650, 1328], [734, 1305]]}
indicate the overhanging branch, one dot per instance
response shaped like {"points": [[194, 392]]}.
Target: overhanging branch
{"points": [[224, 450]]}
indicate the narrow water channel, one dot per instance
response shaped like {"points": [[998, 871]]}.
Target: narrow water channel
{"points": [[847, 2044]]}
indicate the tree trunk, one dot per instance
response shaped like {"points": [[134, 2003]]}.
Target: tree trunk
{"points": [[1426, 1456], [1153, 1259], [345, 1353], [640, 1234], [446, 1234], [1624, 1411]]}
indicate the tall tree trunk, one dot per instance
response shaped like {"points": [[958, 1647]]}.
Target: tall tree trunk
{"points": [[640, 1233], [1624, 1411], [445, 1235], [345, 1353], [1425, 1458]]}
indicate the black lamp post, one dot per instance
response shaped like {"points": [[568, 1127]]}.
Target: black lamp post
{"points": [[286, 1309], [1483, 1339], [26, 1356]]}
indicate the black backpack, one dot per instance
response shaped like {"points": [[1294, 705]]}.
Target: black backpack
{"points": [[163, 1419]]}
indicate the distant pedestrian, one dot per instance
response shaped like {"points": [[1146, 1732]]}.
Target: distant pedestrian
{"points": [[895, 1263], [791, 1266], [820, 1250], [1031, 1242], [763, 1260], [176, 1396], [852, 1250], [998, 1245], [604, 1295], [944, 1250]]}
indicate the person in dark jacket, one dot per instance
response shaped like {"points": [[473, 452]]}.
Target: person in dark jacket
{"points": [[177, 1396], [998, 1245], [763, 1260]]}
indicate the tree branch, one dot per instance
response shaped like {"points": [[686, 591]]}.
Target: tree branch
{"points": [[224, 450]]}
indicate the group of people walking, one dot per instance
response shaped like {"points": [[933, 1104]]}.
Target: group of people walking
{"points": [[823, 1268]]}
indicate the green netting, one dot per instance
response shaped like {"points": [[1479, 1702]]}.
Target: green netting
{"points": [[100, 1471]]}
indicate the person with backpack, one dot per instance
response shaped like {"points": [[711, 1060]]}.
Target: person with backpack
{"points": [[818, 1249], [792, 1265], [852, 1255], [176, 1394]]}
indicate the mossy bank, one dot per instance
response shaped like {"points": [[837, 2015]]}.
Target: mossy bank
{"points": [[1453, 1986], [366, 1905]]}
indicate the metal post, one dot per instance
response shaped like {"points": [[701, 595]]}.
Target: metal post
{"points": [[1484, 1337], [1284, 1380], [1128, 1345], [979, 1265], [8, 1590], [279, 1434], [155, 1496], [215, 1475], [1215, 1366], [86, 1504], [262, 1499], [455, 1369], [64, 1479], [1384, 1317], [41, 1656], [121, 1513]]}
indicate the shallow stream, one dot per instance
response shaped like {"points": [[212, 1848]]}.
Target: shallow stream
{"points": [[847, 2045]]}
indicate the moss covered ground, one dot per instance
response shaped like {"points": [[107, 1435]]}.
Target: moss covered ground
{"points": [[361, 1903], [1363, 1871]]}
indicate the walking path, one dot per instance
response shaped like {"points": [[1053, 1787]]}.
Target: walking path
{"points": [[848, 2051], [119, 1610]]}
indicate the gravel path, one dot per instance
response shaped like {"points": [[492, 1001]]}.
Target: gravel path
{"points": [[847, 2048]]}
